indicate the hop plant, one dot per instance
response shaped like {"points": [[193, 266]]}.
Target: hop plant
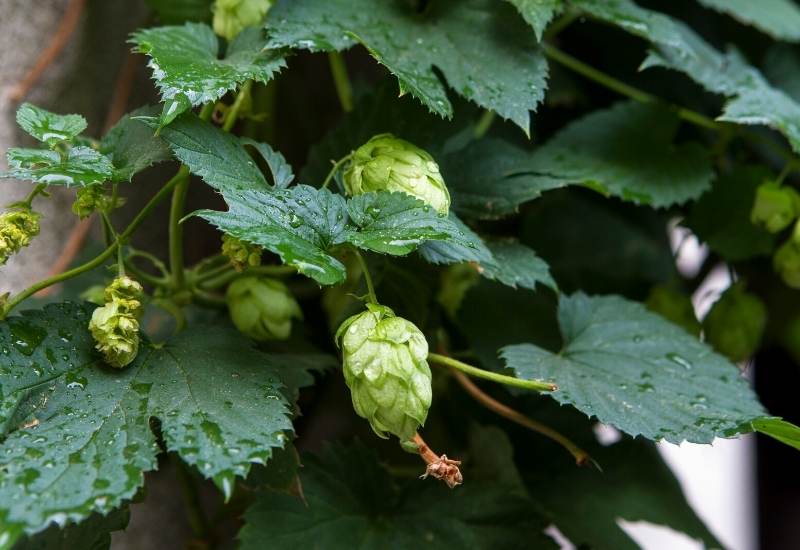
{"points": [[232, 16], [385, 366], [240, 253], [775, 206], [262, 308], [675, 306], [388, 163], [17, 229], [456, 281], [90, 199], [736, 323], [786, 261], [115, 326]]}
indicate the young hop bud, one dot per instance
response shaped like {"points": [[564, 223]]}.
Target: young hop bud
{"points": [[775, 206], [674, 306], [387, 163], [90, 199], [262, 308], [385, 366], [232, 16], [115, 326], [240, 253], [17, 228], [786, 261], [736, 323]]}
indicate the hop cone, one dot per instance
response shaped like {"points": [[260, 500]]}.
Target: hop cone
{"points": [[786, 261], [675, 306], [115, 326], [736, 323], [240, 253], [385, 367], [17, 229], [262, 308], [387, 163], [775, 206], [232, 16]]}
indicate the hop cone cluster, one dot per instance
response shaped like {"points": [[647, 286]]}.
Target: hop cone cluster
{"points": [[385, 367], [387, 163], [232, 16], [736, 323], [89, 199], [262, 308], [17, 229], [240, 253], [115, 326]]}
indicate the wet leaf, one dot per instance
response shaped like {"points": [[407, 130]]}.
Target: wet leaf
{"points": [[49, 127], [79, 166], [538, 13], [778, 18], [632, 369], [132, 147]]}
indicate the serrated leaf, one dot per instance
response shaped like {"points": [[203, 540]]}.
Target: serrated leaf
{"points": [[79, 166], [634, 370], [721, 218], [351, 501], [504, 72], [49, 127], [173, 12], [538, 13], [468, 248], [397, 223], [188, 71], [76, 435], [516, 265], [778, 18], [132, 147], [675, 46], [299, 224], [216, 156], [627, 151], [91, 534], [282, 174]]}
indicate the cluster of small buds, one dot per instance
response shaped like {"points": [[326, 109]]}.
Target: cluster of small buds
{"points": [[385, 366], [115, 325], [241, 254], [90, 199], [388, 163], [17, 229]]}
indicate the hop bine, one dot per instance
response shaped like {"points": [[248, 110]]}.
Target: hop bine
{"points": [[262, 308], [17, 229], [115, 326], [388, 163], [385, 366]]}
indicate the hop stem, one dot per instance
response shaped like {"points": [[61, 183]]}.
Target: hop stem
{"points": [[439, 467], [536, 385], [371, 296]]}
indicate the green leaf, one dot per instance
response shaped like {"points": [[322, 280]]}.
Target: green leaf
{"points": [[468, 248], [299, 224], [216, 156], [282, 174], [502, 71], [675, 46], [80, 166], [516, 265], [778, 18], [76, 435], [627, 151], [721, 218], [538, 13], [782, 68], [785, 432], [352, 501], [634, 370], [132, 147], [49, 127], [397, 223], [188, 71], [174, 12], [91, 534]]}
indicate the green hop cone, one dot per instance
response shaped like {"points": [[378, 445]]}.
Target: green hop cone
{"points": [[786, 261], [240, 253], [736, 323], [17, 229], [456, 281], [232, 16], [674, 306], [262, 308], [775, 206], [115, 326], [385, 366], [90, 199], [387, 163]]}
